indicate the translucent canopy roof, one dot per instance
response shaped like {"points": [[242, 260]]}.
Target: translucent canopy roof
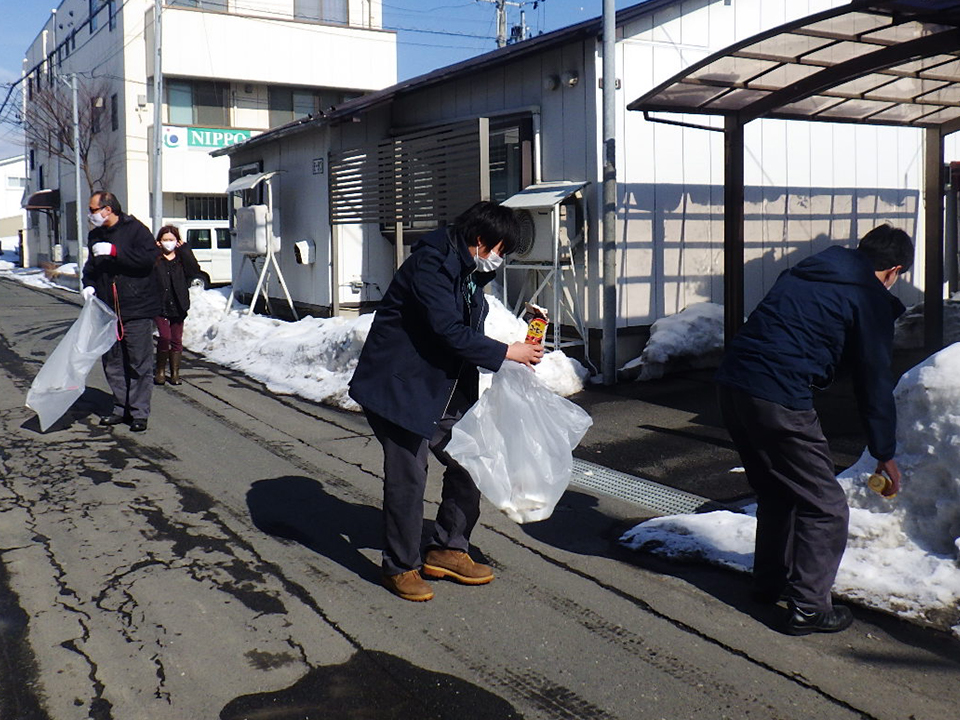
{"points": [[891, 63]]}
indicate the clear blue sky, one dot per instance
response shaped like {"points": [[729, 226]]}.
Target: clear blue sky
{"points": [[430, 34]]}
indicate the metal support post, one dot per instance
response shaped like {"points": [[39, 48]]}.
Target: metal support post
{"points": [[933, 239], [81, 246], [334, 271], [732, 227], [950, 252], [609, 254], [157, 121]]}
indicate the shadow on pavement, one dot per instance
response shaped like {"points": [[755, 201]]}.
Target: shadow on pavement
{"points": [[373, 686], [578, 525], [299, 509], [93, 401]]}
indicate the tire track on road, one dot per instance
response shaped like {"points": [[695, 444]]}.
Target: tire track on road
{"points": [[612, 631]]}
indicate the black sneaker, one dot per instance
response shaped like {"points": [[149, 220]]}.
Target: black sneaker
{"points": [[828, 621], [111, 420], [138, 425]]}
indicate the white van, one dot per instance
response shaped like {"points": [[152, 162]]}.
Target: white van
{"points": [[210, 241]]}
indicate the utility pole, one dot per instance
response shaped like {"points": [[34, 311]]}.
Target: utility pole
{"points": [[518, 32], [157, 122], [81, 246], [72, 83], [609, 254]]}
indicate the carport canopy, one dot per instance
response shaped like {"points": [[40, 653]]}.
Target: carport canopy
{"points": [[891, 63]]}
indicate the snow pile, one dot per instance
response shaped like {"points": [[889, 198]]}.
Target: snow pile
{"points": [[691, 338], [315, 358], [903, 555], [34, 277]]}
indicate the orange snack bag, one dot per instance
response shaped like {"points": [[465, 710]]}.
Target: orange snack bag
{"points": [[537, 323]]}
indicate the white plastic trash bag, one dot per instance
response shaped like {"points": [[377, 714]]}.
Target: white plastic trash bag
{"points": [[517, 443], [63, 376]]}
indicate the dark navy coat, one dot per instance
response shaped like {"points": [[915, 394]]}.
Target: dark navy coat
{"points": [[427, 334], [826, 314], [131, 269]]}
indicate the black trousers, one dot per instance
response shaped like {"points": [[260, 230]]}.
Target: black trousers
{"points": [[802, 511], [128, 366], [404, 481]]}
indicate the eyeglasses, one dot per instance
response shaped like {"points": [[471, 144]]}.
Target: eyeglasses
{"points": [[93, 210]]}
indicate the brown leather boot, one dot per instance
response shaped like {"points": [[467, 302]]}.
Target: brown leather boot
{"points": [[158, 376], [175, 368], [408, 585], [456, 565]]}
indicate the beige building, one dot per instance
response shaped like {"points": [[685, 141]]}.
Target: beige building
{"points": [[230, 69]]}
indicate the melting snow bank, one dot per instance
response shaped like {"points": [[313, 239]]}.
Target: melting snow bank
{"points": [[315, 358], [693, 338], [903, 555]]}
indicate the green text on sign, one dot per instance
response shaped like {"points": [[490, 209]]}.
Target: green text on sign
{"points": [[214, 138]]}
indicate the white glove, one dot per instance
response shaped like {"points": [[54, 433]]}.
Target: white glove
{"points": [[88, 292], [102, 248]]}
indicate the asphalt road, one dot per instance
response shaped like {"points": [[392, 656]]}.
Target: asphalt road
{"points": [[225, 565]]}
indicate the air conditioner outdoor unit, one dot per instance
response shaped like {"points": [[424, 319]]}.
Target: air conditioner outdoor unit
{"points": [[548, 212]]}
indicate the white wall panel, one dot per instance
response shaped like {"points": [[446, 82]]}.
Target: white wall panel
{"points": [[234, 47]]}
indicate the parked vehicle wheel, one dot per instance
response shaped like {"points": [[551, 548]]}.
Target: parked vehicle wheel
{"points": [[202, 281]]}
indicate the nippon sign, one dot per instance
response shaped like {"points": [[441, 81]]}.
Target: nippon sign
{"points": [[176, 138]]}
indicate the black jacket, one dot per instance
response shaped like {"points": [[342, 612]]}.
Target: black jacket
{"points": [[427, 333], [173, 281], [131, 270], [826, 314]]}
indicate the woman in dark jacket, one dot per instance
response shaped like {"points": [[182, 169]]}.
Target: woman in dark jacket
{"points": [[175, 268]]}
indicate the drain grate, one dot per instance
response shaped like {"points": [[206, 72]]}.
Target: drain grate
{"points": [[651, 495]]}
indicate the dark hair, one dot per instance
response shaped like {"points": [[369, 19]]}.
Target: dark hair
{"points": [[172, 229], [491, 222], [108, 199], [887, 247]]}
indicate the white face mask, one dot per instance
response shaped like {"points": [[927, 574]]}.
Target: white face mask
{"points": [[96, 219], [489, 263], [168, 245]]}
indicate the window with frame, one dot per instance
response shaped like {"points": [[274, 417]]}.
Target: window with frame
{"points": [[287, 104], [112, 14], [210, 103], [96, 113], [94, 7], [114, 113], [206, 207], [329, 11], [511, 157], [200, 102], [179, 102]]}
